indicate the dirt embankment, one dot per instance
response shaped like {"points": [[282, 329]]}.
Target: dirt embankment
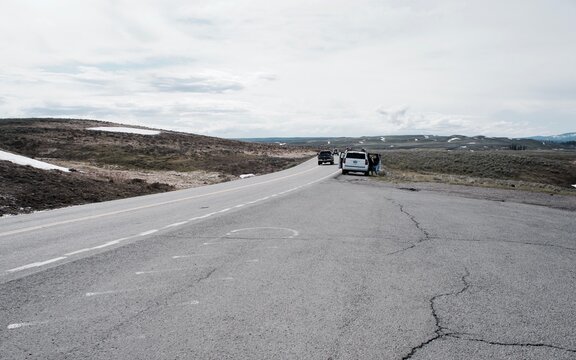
{"points": [[26, 189]]}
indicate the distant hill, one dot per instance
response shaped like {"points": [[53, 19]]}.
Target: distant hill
{"points": [[84, 141], [556, 138], [398, 142]]}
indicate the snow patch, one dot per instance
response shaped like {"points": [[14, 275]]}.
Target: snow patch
{"points": [[23, 160], [574, 185], [244, 176], [453, 139], [126, 130]]}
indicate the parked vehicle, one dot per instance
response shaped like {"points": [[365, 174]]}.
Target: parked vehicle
{"points": [[355, 161], [325, 156]]}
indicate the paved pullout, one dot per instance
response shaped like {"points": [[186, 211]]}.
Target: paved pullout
{"points": [[340, 269]]}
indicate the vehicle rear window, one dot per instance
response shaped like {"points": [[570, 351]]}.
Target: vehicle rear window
{"points": [[325, 153], [356, 156]]}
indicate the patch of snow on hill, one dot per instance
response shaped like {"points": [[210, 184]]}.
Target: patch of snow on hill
{"points": [[23, 160], [453, 139], [126, 130]]}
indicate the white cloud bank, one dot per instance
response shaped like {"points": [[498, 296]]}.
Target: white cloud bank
{"points": [[297, 67]]}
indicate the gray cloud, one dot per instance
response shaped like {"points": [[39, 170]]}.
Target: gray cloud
{"points": [[196, 84], [396, 115], [56, 110]]}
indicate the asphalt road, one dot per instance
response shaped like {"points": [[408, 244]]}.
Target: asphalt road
{"points": [[302, 264]]}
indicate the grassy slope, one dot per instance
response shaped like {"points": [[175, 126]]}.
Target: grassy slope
{"points": [[552, 168], [69, 140]]}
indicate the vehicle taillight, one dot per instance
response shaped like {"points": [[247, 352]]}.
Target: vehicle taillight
{"points": [[365, 161]]}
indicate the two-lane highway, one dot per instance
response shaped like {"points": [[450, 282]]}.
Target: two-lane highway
{"points": [[302, 264], [28, 242]]}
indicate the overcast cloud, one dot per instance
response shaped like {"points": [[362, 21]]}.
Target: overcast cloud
{"points": [[249, 68]]}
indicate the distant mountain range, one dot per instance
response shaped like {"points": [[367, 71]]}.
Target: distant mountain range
{"points": [[556, 138], [452, 142]]}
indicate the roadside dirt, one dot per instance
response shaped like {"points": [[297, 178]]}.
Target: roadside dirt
{"points": [[24, 189], [548, 199]]}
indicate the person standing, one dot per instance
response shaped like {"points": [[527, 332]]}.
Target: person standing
{"points": [[371, 164], [377, 164]]}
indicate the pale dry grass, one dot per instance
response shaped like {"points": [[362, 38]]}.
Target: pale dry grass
{"points": [[399, 176]]}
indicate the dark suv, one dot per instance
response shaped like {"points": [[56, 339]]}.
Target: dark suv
{"points": [[325, 156]]}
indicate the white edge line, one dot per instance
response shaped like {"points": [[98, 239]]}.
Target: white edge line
{"points": [[78, 252], [37, 264], [176, 224]]}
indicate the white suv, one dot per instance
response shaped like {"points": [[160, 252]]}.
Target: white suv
{"points": [[355, 161]]}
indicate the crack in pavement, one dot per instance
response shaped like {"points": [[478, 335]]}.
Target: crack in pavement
{"points": [[416, 223], [425, 233], [207, 275], [511, 242], [461, 337], [442, 330]]}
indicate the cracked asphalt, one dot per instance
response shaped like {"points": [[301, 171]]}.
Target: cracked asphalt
{"points": [[343, 269]]}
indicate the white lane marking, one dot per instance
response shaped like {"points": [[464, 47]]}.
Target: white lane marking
{"points": [[37, 264], [175, 224], [201, 217], [78, 251], [97, 293], [110, 292], [109, 243], [295, 233], [21, 325], [32, 228], [187, 256], [114, 242], [187, 303], [157, 271]]}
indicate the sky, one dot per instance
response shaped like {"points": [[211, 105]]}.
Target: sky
{"points": [[261, 68]]}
